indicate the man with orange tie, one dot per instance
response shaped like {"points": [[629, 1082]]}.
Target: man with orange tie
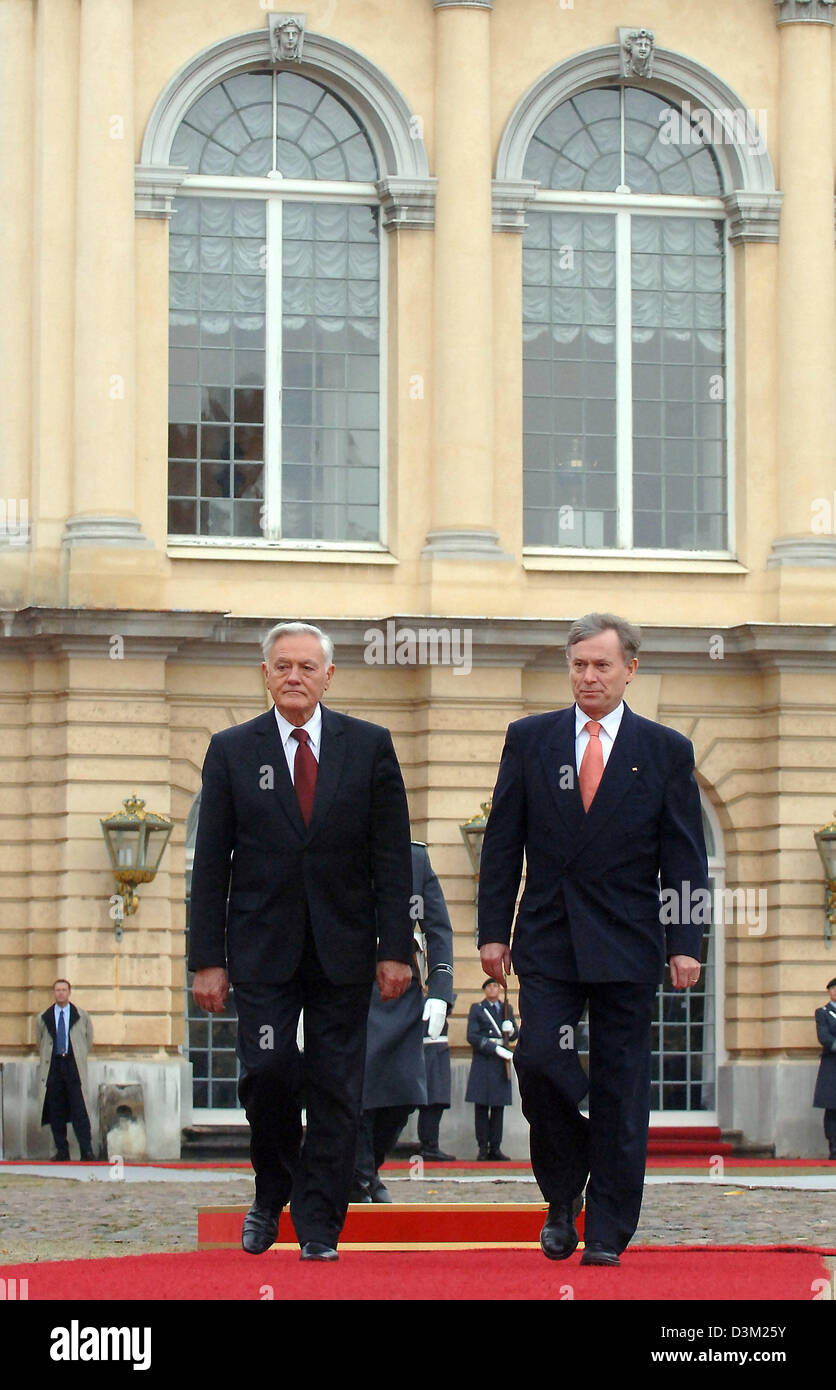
{"points": [[301, 894], [604, 806]]}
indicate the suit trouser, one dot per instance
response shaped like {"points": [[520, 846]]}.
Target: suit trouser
{"points": [[378, 1132], [315, 1175], [830, 1126], [610, 1147], [65, 1101]]}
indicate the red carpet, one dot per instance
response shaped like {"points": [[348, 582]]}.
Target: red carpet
{"points": [[650, 1273]]}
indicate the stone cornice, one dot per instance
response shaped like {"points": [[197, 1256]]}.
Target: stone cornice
{"points": [[462, 5], [534, 643], [753, 216], [156, 186], [804, 11], [407, 204], [511, 200]]}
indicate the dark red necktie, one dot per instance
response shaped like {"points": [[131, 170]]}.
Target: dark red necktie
{"points": [[304, 774]]}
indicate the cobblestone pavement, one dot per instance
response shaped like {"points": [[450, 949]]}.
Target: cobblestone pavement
{"points": [[58, 1219]]}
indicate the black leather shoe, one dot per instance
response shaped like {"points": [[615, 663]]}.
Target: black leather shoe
{"points": [[483, 1156], [559, 1236], [596, 1253], [498, 1156], [437, 1156], [60, 1158], [88, 1157], [315, 1250], [360, 1192], [379, 1191], [261, 1228]]}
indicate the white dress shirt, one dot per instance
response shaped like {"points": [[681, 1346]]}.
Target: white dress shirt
{"points": [[58, 1010], [610, 725], [290, 744]]}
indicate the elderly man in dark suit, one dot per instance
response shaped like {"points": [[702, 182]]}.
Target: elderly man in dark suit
{"points": [[604, 806], [824, 1096], [300, 897]]}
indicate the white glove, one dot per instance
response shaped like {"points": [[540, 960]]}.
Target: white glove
{"points": [[504, 1053], [435, 1011], [507, 1026]]}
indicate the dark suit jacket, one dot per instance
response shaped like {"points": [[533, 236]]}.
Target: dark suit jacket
{"points": [[591, 906], [824, 1097], [258, 871]]}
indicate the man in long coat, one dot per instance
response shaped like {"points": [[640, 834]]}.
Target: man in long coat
{"points": [[64, 1035], [489, 1083], [824, 1097], [395, 1078]]}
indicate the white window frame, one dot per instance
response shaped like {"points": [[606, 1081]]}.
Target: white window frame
{"points": [[623, 206], [275, 191]]}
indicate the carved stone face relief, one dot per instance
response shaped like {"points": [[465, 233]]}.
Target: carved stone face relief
{"points": [[637, 49], [287, 32]]}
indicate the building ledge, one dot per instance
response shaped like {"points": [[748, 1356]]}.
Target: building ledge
{"points": [[631, 563], [301, 554]]}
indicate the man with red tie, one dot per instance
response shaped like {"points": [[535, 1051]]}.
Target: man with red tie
{"points": [[300, 897], [604, 807]]}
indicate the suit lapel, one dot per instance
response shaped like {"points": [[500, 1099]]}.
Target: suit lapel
{"points": [[48, 1017], [558, 755], [616, 782], [272, 754]]}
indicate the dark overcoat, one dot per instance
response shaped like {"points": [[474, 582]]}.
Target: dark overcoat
{"points": [[395, 1053], [488, 1082], [824, 1096]]}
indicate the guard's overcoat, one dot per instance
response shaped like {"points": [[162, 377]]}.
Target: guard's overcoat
{"points": [[488, 1082], [395, 1069]]}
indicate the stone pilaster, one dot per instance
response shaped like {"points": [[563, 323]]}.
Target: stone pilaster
{"points": [[806, 288], [105, 379], [462, 525]]}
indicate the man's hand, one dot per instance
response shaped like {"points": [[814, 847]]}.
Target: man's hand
{"points": [[393, 977], [210, 988], [505, 1053], [685, 971], [496, 960]]}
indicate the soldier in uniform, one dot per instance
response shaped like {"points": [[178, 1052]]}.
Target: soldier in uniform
{"points": [[824, 1097], [489, 1082], [395, 1078]]}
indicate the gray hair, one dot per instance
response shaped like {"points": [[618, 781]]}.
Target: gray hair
{"points": [[292, 630], [592, 624]]}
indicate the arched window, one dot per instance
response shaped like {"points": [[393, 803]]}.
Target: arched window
{"points": [[275, 317], [625, 330]]}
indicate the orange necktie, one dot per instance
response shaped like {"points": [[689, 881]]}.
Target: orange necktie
{"points": [[592, 765]]}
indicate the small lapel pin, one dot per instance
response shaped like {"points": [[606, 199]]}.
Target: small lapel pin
{"points": [[635, 769]]}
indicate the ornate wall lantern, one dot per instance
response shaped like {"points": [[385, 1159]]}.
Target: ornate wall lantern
{"points": [[826, 846], [135, 839], [473, 833]]}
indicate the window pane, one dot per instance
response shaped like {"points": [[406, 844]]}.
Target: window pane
{"points": [[678, 384], [330, 374], [229, 130], [569, 402], [212, 421]]}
